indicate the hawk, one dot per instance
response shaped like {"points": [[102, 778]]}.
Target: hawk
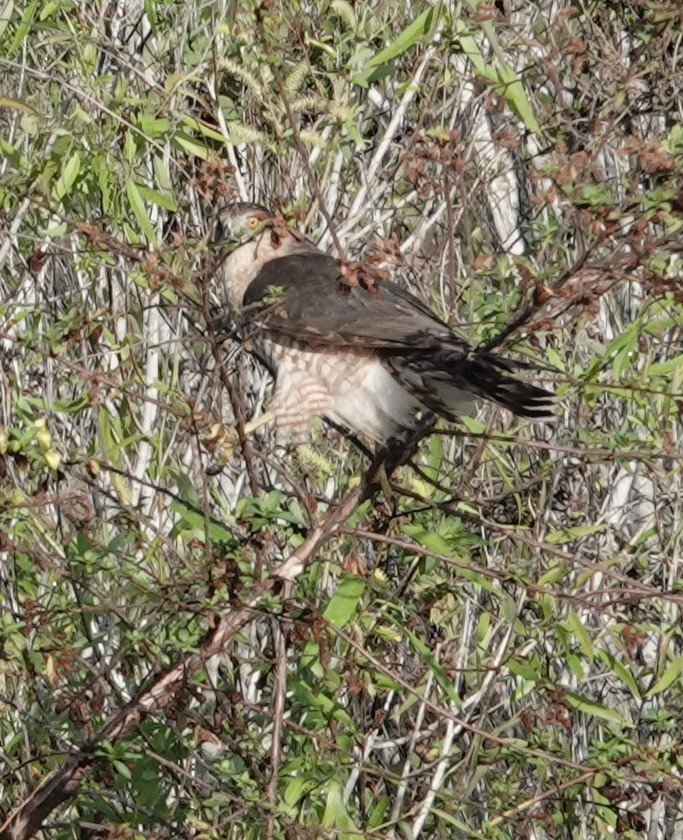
{"points": [[361, 352]]}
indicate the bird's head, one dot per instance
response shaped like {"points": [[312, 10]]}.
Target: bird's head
{"points": [[240, 222], [248, 237]]}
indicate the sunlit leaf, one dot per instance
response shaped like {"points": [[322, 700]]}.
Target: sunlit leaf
{"points": [[592, 707], [67, 178], [344, 602], [137, 205], [672, 673]]}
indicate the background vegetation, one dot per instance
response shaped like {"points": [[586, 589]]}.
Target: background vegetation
{"points": [[494, 651]]}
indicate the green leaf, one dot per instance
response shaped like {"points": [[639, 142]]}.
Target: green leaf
{"points": [[130, 146], [577, 627], [17, 104], [526, 669], [186, 489], [23, 28], [575, 665], [344, 602], [108, 430], [505, 81], [294, 790], [48, 10], [335, 815], [416, 30], [152, 126], [161, 175], [8, 151], [665, 368], [193, 525], [575, 533], [512, 90], [6, 15], [155, 197], [188, 144], [554, 573], [620, 671], [591, 707], [672, 673], [333, 806], [67, 177], [379, 811], [464, 830], [471, 49], [429, 539], [121, 769], [203, 128], [137, 205]]}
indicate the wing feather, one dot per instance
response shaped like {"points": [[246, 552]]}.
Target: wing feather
{"points": [[306, 297], [315, 302]]}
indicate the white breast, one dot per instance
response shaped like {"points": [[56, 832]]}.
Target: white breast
{"points": [[349, 387], [373, 403]]}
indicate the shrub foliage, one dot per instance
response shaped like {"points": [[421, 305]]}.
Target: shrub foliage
{"points": [[203, 636]]}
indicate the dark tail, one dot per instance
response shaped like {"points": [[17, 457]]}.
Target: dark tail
{"points": [[490, 376], [447, 382]]}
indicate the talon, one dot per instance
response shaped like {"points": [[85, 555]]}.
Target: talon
{"points": [[220, 440], [382, 479]]}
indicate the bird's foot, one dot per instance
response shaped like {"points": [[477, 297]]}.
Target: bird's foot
{"points": [[381, 478], [221, 440]]}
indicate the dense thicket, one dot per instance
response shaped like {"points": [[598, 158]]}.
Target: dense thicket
{"points": [[492, 650]]}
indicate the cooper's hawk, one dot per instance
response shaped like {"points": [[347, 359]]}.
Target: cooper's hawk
{"points": [[363, 353]]}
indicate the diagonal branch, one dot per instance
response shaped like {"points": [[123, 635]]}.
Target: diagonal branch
{"points": [[62, 784]]}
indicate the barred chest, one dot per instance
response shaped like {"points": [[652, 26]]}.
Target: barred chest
{"points": [[350, 387]]}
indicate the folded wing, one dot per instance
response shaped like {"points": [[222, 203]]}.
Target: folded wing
{"points": [[306, 296]]}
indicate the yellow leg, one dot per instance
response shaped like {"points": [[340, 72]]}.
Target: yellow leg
{"points": [[382, 479], [252, 425]]}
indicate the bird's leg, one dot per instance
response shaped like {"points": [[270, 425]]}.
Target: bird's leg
{"points": [[252, 425], [382, 478], [379, 475], [395, 452]]}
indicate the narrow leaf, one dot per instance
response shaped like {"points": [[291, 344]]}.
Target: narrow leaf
{"points": [[672, 673], [17, 104], [6, 15], [137, 205], [575, 533], [158, 198], [333, 807], [410, 35], [190, 145], [512, 90], [23, 28], [68, 176], [591, 707]]}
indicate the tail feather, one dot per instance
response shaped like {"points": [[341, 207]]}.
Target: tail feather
{"points": [[490, 377], [446, 384]]}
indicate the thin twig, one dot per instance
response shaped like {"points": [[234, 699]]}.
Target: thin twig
{"points": [[62, 784], [278, 717], [300, 147]]}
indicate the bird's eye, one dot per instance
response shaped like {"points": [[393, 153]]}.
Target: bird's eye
{"points": [[252, 222]]}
